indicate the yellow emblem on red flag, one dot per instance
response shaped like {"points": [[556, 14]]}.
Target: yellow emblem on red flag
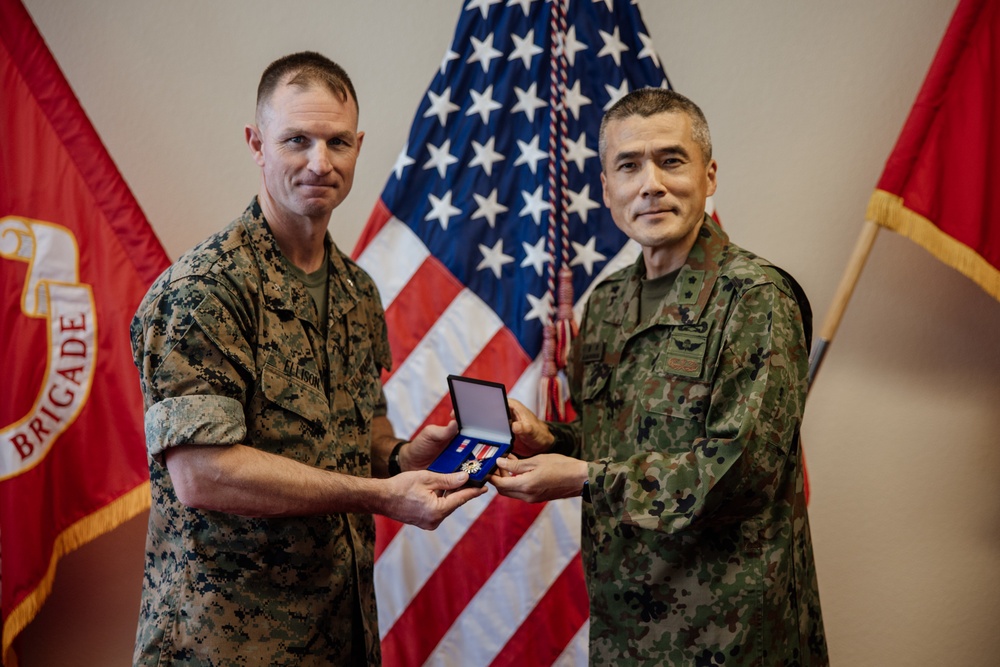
{"points": [[76, 257]]}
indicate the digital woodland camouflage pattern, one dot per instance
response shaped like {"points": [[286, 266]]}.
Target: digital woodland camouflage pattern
{"points": [[696, 544], [229, 351]]}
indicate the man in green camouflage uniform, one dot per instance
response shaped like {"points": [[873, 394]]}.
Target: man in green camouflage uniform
{"points": [[259, 354], [689, 382]]}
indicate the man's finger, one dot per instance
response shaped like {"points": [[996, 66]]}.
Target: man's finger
{"points": [[455, 499], [451, 480], [510, 464]]}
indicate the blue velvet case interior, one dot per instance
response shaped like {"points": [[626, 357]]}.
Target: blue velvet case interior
{"points": [[483, 429]]}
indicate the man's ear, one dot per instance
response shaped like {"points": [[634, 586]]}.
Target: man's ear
{"points": [[255, 142], [712, 174]]}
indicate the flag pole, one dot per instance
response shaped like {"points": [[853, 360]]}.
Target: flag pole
{"points": [[862, 248]]}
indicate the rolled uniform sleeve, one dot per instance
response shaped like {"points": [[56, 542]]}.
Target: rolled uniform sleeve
{"points": [[184, 420], [194, 362], [229, 348]]}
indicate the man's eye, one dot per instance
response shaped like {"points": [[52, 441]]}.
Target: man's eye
{"points": [[297, 140]]}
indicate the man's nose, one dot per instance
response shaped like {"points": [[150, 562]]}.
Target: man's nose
{"points": [[319, 159], [652, 181]]}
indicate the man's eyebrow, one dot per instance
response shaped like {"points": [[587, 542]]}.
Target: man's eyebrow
{"points": [[291, 131], [626, 155], [349, 135], [296, 130], [672, 149]]}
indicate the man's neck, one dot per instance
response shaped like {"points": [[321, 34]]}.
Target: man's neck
{"points": [[664, 259], [301, 240]]}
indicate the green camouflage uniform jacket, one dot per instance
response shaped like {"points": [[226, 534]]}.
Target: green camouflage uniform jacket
{"points": [[229, 351], [696, 541]]}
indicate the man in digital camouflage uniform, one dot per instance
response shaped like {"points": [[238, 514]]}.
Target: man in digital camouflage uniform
{"points": [[259, 354], [689, 380]]}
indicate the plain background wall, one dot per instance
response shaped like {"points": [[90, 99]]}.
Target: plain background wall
{"points": [[805, 100]]}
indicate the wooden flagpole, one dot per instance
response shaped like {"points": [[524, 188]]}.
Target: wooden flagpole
{"points": [[862, 248]]}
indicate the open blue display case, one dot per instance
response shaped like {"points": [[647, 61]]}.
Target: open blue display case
{"points": [[484, 433]]}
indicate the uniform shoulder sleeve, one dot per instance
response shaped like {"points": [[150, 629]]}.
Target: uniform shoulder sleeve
{"points": [[194, 349]]}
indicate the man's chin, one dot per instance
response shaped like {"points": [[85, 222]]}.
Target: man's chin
{"points": [[328, 201], [656, 224], [315, 210]]}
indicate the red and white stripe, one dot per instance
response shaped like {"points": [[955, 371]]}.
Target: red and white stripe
{"points": [[482, 452], [500, 581]]}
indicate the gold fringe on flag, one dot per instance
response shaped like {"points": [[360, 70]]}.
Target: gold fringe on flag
{"points": [[889, 211], [90, 527]]}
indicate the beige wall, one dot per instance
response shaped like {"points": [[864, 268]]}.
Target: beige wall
{"points": [[805, 99]]}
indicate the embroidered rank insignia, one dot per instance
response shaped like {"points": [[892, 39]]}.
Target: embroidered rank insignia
{"points": [[685, 354], [689, 283]]}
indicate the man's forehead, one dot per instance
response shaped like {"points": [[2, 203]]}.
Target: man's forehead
{"points": [[656, 131], [292, 98], [662, 120], [290, 90]]}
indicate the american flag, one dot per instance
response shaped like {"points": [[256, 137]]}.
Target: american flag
{"points": [[496, 189]]}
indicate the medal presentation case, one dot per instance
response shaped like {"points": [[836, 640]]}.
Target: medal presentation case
{"points": [[484, 433]]}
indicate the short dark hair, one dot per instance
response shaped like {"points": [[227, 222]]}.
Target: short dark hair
{"points": [[306, 68], [648, 102]]}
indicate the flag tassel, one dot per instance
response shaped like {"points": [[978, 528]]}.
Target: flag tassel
{"points": [[566, 326], [552, 393]]}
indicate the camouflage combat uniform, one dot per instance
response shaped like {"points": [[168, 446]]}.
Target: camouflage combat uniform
{"points": [[229, 351], [696, 541]]}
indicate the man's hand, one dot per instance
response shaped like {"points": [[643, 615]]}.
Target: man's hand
{"points": [[426, 445], [424, 499], [540, 478], [531, 435], [241, 480]]}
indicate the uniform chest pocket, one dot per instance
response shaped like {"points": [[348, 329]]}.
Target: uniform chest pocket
{"points": [[364, 382], [299, 392], [666, 392]]}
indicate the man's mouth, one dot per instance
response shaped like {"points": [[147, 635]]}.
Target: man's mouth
{"points": [[317, 186], [657, 212]]}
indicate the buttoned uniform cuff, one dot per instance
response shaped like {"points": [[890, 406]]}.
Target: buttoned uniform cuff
{"points": [[193, 420], [565, 438]]}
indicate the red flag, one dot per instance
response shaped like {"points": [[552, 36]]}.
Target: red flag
{"points": [[496, 193], [941, 184], [76, 256]]}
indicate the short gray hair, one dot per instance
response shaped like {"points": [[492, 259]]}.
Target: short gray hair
{"points": [[648, 102]]}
